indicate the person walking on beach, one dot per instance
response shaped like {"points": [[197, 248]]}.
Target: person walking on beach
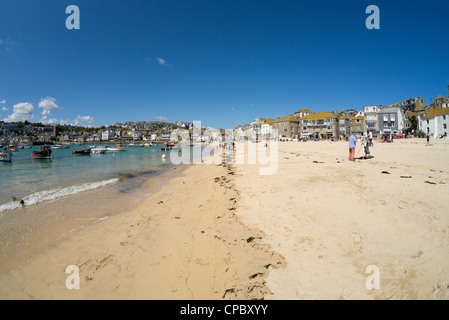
{"points": [[370, 138], [352, 145], [428, 138]]}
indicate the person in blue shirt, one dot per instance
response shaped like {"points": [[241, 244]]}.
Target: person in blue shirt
{"points": [[352, 145]]}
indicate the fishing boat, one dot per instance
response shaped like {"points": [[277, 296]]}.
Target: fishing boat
{"points": [[99, 148], [169, 146], [43, 153], [5, 156], [116, 148], [11, 148], [82, 151]]}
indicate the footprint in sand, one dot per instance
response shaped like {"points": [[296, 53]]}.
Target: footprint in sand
{"points": [[357, 238]]}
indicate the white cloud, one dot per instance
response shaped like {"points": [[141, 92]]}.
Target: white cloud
{"points": [[3, 102], [162, 62], [80, 119], [48, 104], [4, 109], [21, 112], [159, 118]]}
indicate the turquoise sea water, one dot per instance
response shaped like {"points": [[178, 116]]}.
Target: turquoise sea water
{"points": [[35, 180]]}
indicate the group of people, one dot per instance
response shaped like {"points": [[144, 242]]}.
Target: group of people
{"points": [[353, 144]]}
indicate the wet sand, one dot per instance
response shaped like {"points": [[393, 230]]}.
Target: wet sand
{"points": [[184, 242]]}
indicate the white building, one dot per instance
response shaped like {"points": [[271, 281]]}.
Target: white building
{"points": [[107, 134], [436, 122]]}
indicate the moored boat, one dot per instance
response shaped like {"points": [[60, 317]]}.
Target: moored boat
{"points": [[5, 156], [169, 146], [82, 151], [99, 149], [116, 148], [148, 144], [57, 146], [43, 153]]}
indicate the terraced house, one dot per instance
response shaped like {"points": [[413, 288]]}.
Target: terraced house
{"points": [[345, 126], [390, 120], [323, 125], [436, 121], [358, 125], [371, 119], [287, 127], [412, 104]]}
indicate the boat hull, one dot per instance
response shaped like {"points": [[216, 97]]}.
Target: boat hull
{"points": [[82, 152], [5, 157], [44, 153]]}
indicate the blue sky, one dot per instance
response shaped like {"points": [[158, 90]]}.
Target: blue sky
{"points": [[220, 62]]}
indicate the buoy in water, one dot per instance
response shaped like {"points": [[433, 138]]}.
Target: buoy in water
{"points": [[163, 156]]}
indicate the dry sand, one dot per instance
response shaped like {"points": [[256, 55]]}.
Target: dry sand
{"points": [[332, 218], [309, 231]]}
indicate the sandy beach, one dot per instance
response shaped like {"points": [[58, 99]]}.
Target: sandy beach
{"points": [[308, 231]]}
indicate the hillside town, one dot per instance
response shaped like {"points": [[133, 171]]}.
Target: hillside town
{"points": [[412, 117]]}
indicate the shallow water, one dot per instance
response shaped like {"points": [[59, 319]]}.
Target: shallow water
{"points": [[75, 192]]}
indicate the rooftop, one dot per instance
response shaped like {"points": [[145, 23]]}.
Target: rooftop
{"points": [[319, 115], [286, 118]]}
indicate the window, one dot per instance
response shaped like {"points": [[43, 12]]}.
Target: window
{"points": [[444, 126], [428, 130], [427, 121], [444, 117], [304, 128]]}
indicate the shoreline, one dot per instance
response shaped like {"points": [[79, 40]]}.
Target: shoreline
{"points": [[309, 231], [30, 231], [183, 242]]}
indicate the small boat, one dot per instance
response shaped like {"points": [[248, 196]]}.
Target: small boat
{"points": [[116, 148], [22, 147], [43, 153], [99, 149], [134, 145], [57, 146], [11, 148], [169, 146], [5, 156], [82, 151], [148, 145]]}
